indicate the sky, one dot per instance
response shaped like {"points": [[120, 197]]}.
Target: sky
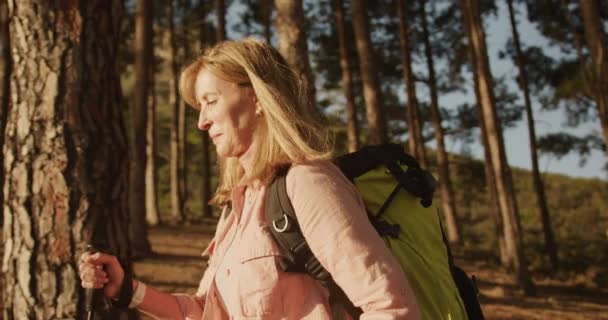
{"points": [[498, 31]]}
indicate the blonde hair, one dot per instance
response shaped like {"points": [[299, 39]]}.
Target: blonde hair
{"points": [[287, 135]]}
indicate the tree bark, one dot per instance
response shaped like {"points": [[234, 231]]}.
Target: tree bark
{"points": [[495, 209], [369, 74], [206, 183], [66, 153], [414, 126], [445, 183], [267, 20], [596, 42], [543, 209], [505, 192], [352, 127], [220, 15], [181, 154], [5, 70], [177, 207], [152, 217], [143, 53], [206, 191], [291, 31]]}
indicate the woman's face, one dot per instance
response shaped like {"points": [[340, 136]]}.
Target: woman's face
{"points": [[228, 113]]}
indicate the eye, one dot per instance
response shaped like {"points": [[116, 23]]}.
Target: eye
{"points": [[212, 102]]}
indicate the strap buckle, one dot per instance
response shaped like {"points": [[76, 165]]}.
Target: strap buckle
{"points": [[285, 226]]}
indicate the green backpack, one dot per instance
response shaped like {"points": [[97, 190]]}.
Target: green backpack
{"points": [[398, 196]]}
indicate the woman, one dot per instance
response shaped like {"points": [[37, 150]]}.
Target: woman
{"points": [[251, 103]]}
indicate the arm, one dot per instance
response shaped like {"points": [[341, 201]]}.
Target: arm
{"points": [[104, 271], [162, 305], [334, 222]]}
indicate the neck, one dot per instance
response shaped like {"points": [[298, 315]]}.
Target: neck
{"points": [[247, 159]]}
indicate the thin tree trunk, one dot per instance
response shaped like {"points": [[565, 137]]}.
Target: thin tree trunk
{"points": [[177, 208], [369, 74], [550, 245], [504, 187], [596, 42], [143, 53], [578, 43], [152, 217], [181, 155], [5, 70], [291, 31], [414, 127], [182, 126], [267, 20], [494, 207], [445, 183], [220, 15], [206, 183], [66, 154], [352, 127], [206, 191]]}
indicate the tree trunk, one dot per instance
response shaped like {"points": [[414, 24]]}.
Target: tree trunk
{"points": [[220, 14], [369, 74], [181, 154], [267, 20], [414, 126], [291, 30], [596, 42], [65, 154], [5, 70], [495, 209], [352, 127], [206, 191], [505, 192], [445, 183], [177, 208], [152, 217], [550, 245], [143, 53]]}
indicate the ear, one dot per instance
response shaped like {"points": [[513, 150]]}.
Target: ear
{"points": [[253, 96]]}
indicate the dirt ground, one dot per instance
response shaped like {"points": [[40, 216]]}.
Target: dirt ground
{"points": [[177, 266], [567, 299]]}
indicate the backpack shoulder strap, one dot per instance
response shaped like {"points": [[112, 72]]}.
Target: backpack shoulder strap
{"points": [[297, 256], [283, 224]]}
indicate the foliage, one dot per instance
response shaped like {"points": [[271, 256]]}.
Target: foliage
{"points": [[577, 207], [561, 144]]}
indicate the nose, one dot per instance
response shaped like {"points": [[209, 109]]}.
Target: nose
{"points": [[203, 122]]}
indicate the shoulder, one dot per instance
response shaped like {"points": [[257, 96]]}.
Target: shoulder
{"points": [[320, 171], [317, 179]]}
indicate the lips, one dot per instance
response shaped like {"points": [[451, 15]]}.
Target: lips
{"points": [[214, 136]]}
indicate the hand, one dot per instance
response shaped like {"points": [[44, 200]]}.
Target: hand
{"points": [[100, 270]]}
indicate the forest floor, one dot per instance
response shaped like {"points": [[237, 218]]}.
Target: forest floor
{"points": [[177, 265]]}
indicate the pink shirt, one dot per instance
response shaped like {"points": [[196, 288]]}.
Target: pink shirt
{"points": [[243, 257]]}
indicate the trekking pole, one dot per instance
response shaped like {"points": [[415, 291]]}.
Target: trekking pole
{"points": [[89, 293]]}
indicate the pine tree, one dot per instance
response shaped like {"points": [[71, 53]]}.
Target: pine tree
{"points": [[369, 74], [65, 153], [501, 170]]}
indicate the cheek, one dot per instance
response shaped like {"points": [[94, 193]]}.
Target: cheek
{"points": [[244, 122]]}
